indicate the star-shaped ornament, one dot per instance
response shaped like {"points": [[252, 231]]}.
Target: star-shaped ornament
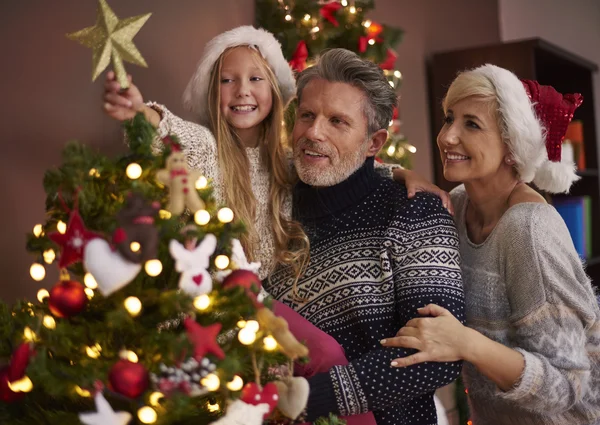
{"points": [[73, 241], [204, 339], [105, 415], [112, 38]]}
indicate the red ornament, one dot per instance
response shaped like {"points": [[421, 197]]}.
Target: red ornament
{"points": [[67, 298], [73, 241], [204, 339], [251, 394], [13, 372], [244, 278], [328, 12], [298, 61], [6, 394], [390, 60], [374, 30], [128, 378]]}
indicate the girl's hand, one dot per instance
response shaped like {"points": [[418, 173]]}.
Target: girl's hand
{"points": [[440, 338], [415, 183], [121, 104]]}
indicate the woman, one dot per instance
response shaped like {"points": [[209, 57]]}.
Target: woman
{"points": [[532, 345]]}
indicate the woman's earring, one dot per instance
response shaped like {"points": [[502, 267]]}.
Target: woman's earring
{"points": [[509, 160]]}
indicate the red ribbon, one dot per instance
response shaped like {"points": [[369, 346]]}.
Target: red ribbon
{"points": [[298, 61], [328, 12], [389, 61]]}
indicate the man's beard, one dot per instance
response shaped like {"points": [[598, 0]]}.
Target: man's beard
{"points": [[338, 170]]}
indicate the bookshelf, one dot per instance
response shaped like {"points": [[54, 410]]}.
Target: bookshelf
{"points": [[539, 60]]}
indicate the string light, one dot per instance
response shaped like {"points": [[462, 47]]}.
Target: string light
{"points": [[89, 281], [241, 324], [397, 74], [92, 172], [288, 17], [164, 214], [128, 355], [269, 343], [134, 246], [42, 295], [222, 261], [367, 23], [247, 336], [89, 292], [391, 150], [344, 3], [213, 407], [201, 183], [392, 84], [38, 230], [352, 10], [61, 226], [23, 385], [49, 322], [82, 392], [252, 325], [29, 335], [37, 272], [411, 149], [236, 384], [371, 41], [134, 171], [314, 30], [155, 397], [49, 256], [147, 415], [93, 351], [202, 302], [153, 267], [202, 217], [211, 382], [307, 17], [225, 215], [133, 305]]}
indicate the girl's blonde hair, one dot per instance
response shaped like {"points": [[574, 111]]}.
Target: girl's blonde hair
{"points": [[291, 243]]}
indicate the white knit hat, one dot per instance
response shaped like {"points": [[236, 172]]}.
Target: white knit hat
{"points": [[536, 118], [195, 97]]}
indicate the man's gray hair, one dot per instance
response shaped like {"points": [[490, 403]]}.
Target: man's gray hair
{"points": [[344, 66]]}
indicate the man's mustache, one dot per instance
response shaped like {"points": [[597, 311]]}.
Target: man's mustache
{"points": [[319, 147]]}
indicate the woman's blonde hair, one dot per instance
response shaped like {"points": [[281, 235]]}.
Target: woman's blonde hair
{"points": [[291, 243]]}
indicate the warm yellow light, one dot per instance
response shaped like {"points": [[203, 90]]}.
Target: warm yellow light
{"points": [[411, 149], [49, 256], [225, 215], [371, 41], [147, 415], [134, 171], [92, 172], [82, 392], [202, 302], [252, 325], [133, 305], [38, 230], [128, 355], [392, 84], [307, 17], [153, 267], [42, 295], [391, 150], [236, 384], [164, 214], [241, 324], [93, 351], [367, 23], [315, 30], [155, 397], [61, 226], [397, 74], [211, 382], [29, 335], [269, 343], [213, 407], [247, 336], [49, 322], [352, 9], [37, 271], [288, 17], [202, 217], [89, 281], [201, 183], [23, 385], [89, 292], [134, 246], [222, 261], [344, 3]]}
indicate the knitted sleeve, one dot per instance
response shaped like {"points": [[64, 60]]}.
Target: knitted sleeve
{"points": [[197, 141], [554, 315], [422, 262]]}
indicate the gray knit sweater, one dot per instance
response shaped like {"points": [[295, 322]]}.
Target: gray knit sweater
{"points": [[525, 287]]}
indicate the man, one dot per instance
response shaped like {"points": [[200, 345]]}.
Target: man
{"points": [[376, 256]]}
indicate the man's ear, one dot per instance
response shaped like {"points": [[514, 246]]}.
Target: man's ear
{"points": [[376, 141]]}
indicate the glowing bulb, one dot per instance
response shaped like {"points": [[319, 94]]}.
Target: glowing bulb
{"points": [[134, 246], [236, 383], [392, 84], [367, 23], [213, 407], [344, 3], [288, 17], [153, 267], [29, 335], [222, 261], [391, 150], [371, 41], [82, 392], [49, 256], [391, 123], [23, 385], [211, 382], [315, 30], [352, 9], [38, 230], [133, 305], [164, 214], [154, 397], [129, 355], [37, 272], [61, 226], [134, 171], [89, 292], [94, 351], [270, 343], [49, 322], [201, 183], [202, 302], [247, 336], [89, 281], [411, 149], [225, 215], [92, 172], [397, 74], [307, 17], [42, 295], [202, 217], [252, 325], [241, 324], [147, 415]]}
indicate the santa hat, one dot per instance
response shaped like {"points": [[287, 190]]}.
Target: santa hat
{"points": [[195, 97], [536, 118]]}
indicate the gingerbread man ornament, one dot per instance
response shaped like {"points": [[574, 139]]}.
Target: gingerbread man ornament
{"points": [[181, 183]]}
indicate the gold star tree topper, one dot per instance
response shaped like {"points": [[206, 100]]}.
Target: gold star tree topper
{"points": [[112, 38]]}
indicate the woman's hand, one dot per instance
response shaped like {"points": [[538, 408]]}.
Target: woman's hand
{"points": [[121, 104], [440, 338], [415, 183]]}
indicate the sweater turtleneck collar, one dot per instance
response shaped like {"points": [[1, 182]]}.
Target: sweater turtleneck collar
{"points": [[316, 202]]}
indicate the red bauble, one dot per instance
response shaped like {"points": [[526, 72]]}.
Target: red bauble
{"points": [[67, 298], [251, 394], [128, 378], [243, 278], [6, 394]]}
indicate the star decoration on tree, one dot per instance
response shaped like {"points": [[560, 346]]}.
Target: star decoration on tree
{"points": [[73, 241], [204, 339], [105, 415], [112, 38]]}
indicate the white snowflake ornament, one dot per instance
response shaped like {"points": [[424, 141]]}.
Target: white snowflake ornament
{"points": [[105, 415]]}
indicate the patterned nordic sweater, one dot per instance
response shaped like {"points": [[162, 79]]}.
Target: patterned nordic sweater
{"points": [[526, 288], [376, 257]]}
